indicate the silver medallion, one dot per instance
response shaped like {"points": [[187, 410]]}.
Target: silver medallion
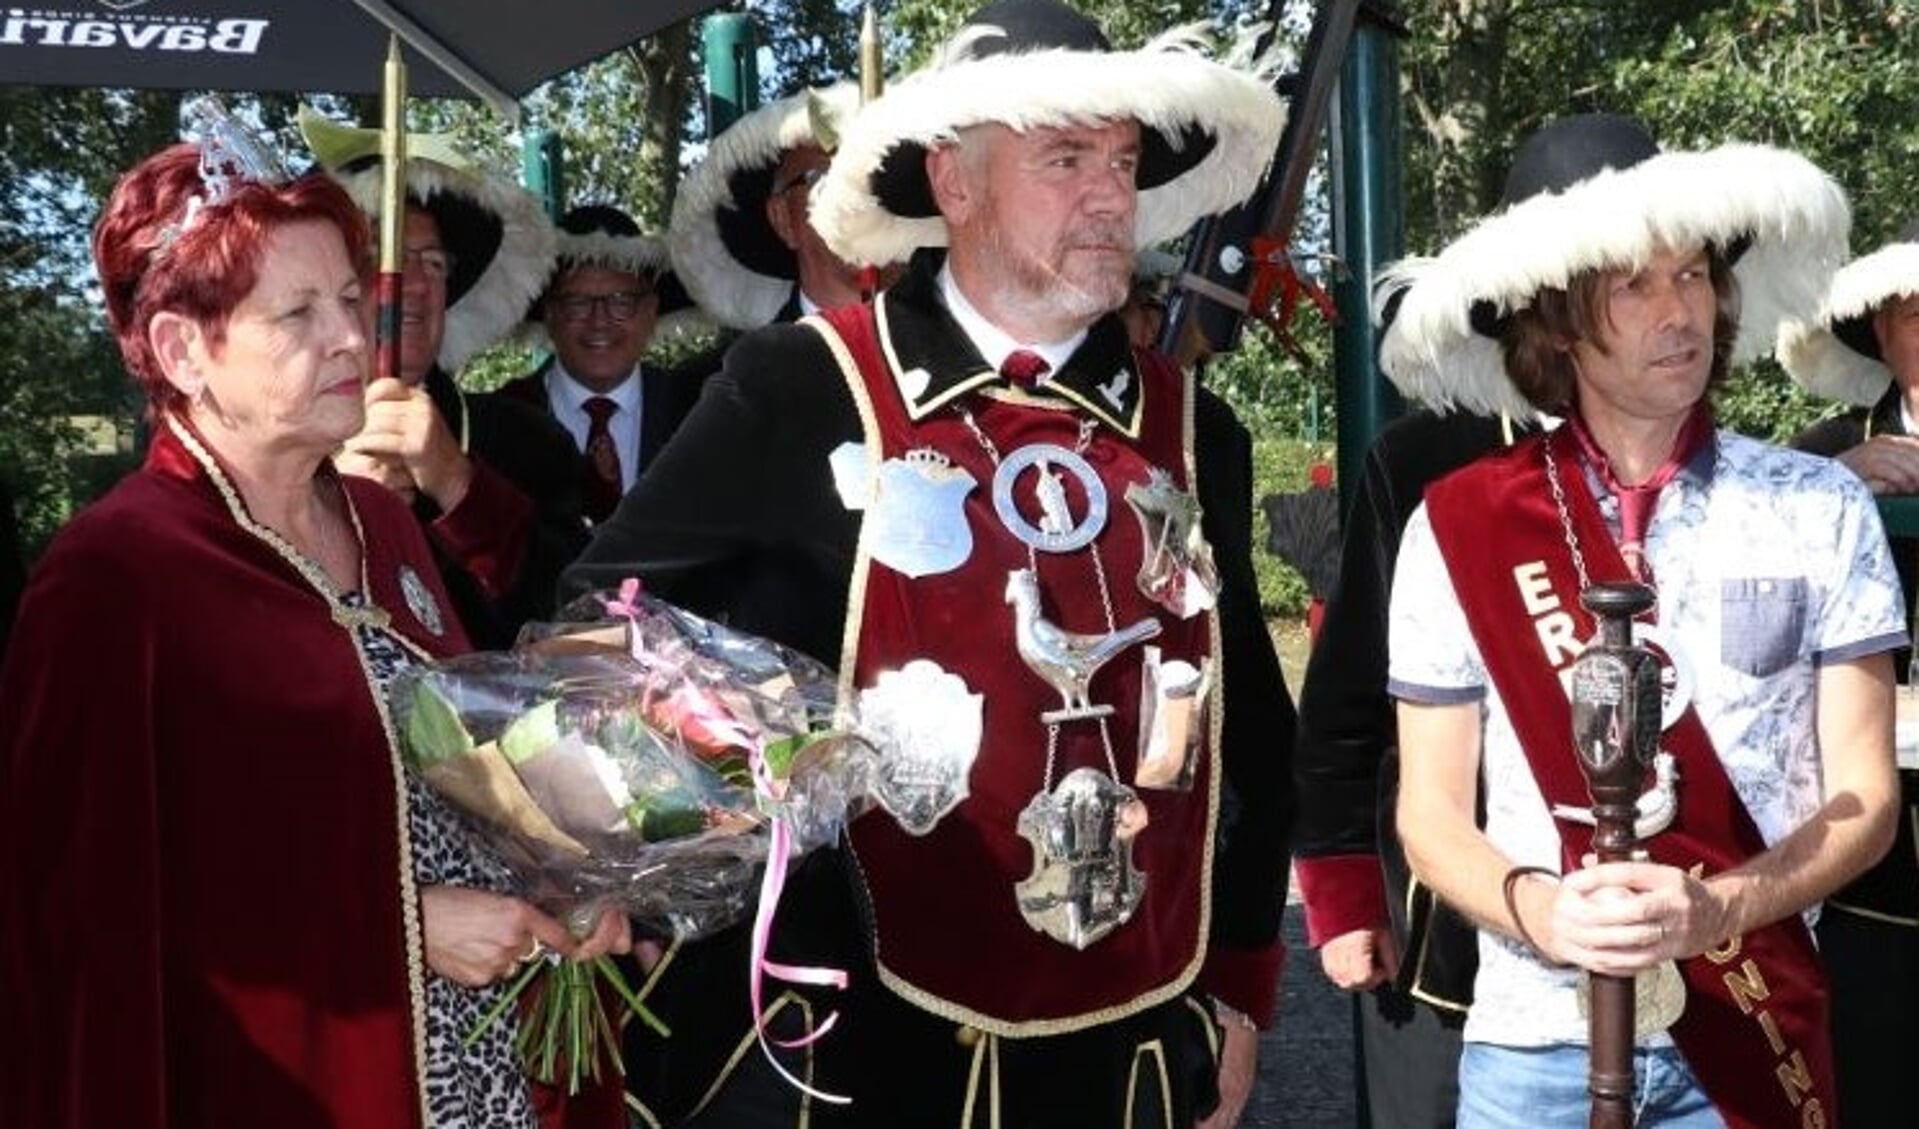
{"points": [[1177, 571], [919, 520], [852, 471], [1172, 720], [420, 601], [1084, 884], [1057, 531], [927, 727], [1065, 660]]}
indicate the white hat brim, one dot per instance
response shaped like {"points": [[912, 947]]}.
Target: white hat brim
{"points": [[1818, 359], [1794, 217], [496, 302], [1168, 85], [726, 288]]}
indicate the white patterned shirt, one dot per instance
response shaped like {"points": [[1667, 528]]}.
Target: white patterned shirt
{"points": [[1768, 563]]}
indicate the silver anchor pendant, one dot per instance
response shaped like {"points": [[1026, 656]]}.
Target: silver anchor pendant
{"points": [[1084, 884]]}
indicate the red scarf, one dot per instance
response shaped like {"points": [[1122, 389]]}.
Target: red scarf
{"points": [[1755, 1026]]}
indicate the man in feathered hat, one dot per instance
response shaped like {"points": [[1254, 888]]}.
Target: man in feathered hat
{"points": [[612, 289], [1027, 545], [493, 483], [1618, 285], [1863, 348], [740, 234]]}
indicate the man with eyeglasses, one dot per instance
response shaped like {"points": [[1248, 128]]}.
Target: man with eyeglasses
{"points": [[494, 485], [610, 292]]}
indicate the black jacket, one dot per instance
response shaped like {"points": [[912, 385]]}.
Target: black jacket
{"points": [[1347, 755]]}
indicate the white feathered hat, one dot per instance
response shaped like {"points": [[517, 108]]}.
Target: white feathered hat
{"points": [[604, 236], [1207, 130], [724, 250], [1594, 192], [1836, 355], [501, 240]]}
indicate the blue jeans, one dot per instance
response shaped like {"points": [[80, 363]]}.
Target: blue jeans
{"points": [[1545, 1088]]}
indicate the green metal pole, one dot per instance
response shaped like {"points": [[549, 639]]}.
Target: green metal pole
{"points": [[1367, 229], [543, 169], [730, 49]]}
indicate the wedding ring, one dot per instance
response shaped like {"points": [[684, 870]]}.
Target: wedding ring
{"points": [[533, 950]]}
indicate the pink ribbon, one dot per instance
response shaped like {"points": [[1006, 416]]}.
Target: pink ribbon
{"points": [[713, 723]]}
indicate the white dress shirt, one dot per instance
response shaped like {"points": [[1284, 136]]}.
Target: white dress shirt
{"points": [[995, 343], [568, 398]]}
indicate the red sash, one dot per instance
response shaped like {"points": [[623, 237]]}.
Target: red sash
{"points": [[1755, 1026]]}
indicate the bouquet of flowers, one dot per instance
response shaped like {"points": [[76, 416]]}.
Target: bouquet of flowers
{"points": [[646, 760]]}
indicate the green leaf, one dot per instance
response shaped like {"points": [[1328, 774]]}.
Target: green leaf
{"points": [[532, 733], [433, 729]]}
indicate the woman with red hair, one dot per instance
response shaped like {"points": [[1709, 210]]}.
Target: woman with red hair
{"points": [[225, 903]]}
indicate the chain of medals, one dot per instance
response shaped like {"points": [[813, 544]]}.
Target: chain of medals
{"points": [[1087, 428], [1081, 828], [1565, 514]]}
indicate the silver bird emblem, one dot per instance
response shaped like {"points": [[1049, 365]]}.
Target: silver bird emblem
{"points": [[1066, 660]]}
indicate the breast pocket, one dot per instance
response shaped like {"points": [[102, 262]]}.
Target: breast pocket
{"points": [[1762, 620]]}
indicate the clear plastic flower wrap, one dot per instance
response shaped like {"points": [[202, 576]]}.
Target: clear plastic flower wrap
{"points": [[638, 756]]}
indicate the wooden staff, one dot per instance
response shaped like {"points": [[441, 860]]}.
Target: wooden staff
{"points": [[386, 325], [1615, 723]]}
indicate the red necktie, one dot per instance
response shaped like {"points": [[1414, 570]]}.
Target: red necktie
{"points": [[1636, 502], [603, 487], [1024, 368]]}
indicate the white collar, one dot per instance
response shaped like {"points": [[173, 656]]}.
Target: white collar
{"points": [[808, 307], [569, 391], [993, 342]]}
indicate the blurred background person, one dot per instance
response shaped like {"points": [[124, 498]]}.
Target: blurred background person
{"points": [[613, 292], [1864, 350]]}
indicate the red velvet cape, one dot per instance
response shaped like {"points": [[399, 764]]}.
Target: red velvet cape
{"points": [[200, 876]]}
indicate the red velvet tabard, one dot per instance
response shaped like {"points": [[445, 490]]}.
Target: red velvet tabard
{"points": [[948, 932], [1755, 1025]]}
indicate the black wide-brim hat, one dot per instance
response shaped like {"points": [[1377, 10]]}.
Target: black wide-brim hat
{"points": [[604, 236], [500, 238], [1207, 129], [1835, 354], [725, 251], [1594, 192]]}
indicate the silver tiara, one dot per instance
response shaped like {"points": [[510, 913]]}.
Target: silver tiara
{"points": [[231, 155]]}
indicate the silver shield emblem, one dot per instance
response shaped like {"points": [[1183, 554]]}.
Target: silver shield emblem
{"points": [[419, 600], [927, 727], [919, 521], [1084, 884]]}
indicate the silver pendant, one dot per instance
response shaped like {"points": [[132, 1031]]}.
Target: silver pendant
{"points": [[1172, 721], [852, 471], [1659, 998], [1065, 660], [927, 727], [419, 601], [1084, 884], [1058, 531], [1177, 572], [919, 520]]}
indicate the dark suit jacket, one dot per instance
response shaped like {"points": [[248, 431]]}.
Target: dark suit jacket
{"points": [[666, 396]]}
